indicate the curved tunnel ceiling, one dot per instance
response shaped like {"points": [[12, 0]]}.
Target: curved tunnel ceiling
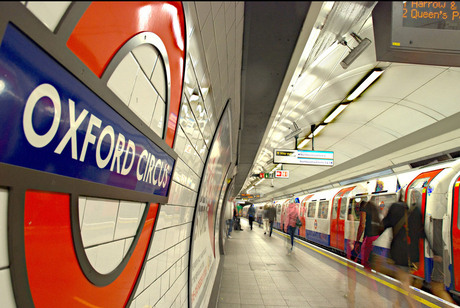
{"points": [[411, 113]]}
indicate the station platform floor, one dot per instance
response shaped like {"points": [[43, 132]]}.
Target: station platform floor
{"points": [[259, 272]]}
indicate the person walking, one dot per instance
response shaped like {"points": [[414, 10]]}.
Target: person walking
{"points": [[371, 225], [251, 214], [271, 214], [290, 222], [265, 219]]}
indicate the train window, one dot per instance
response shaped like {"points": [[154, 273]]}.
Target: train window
{"points": [[415, 197], [354, 207], [383, 202], [335, 206], [312, 209], [419, 183], [323, 209], [343, 208]]}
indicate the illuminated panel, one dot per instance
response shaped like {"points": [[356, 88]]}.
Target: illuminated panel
{"points": [[419, 32], [303, 157]]}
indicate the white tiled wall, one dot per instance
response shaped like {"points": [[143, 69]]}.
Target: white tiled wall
{"points": [[137, 82], [49, 12], [108, 228]]}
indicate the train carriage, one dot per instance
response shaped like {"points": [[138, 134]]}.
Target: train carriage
{"points": [[331, 217]]}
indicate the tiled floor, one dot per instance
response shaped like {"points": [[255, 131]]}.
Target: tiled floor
{"points": [[258, 272]]}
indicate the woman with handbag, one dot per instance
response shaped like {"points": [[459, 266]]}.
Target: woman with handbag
{"points": [[291, 220]]}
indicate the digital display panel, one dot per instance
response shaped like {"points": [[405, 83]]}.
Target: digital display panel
{"points": [[417, 32], [431, 15]]}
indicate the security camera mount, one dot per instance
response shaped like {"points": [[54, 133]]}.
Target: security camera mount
{"points": [[354, 52]]}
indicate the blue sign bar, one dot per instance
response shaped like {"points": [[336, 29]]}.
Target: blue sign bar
{"points": [[303, 157], [50, 121]]}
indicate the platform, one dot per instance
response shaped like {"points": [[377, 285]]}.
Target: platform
{"points": [[259, 272]]}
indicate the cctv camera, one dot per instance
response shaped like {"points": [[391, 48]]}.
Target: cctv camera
{"points": [[355, 53]]}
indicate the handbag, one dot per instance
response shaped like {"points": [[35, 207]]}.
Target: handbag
{"points": [[298, 223]]}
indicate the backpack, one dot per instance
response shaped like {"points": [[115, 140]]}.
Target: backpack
{"points": [[377, 223]]}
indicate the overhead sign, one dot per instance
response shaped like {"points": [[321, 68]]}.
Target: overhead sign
{"points": [[282, 174], [303, 157]]}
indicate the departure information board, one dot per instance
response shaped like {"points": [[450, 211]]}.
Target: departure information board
{"points": [[431, 14], [417, 32]]}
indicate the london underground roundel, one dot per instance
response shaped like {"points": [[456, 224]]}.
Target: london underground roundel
{"points": [[66, 144]]}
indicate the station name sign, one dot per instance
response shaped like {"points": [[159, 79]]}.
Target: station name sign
{"points": [[303, 157], [54, 123]]}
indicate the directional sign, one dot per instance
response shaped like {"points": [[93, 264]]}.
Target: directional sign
{"points": [[282, 174], [303, 157]]}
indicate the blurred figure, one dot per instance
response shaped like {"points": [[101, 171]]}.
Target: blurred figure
{"points": [[406, 222], [260, 211], [370, 224], [251, 214], [290, 222], [351, 268], [265, 219], [271, 217]]}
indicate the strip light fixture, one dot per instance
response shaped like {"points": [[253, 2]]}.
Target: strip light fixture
{"points": [[317, 130], [304, 143], [250, 189], [335, 113], [365, 84]]}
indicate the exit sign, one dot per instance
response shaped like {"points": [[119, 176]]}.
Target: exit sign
{"points": [[283, 174]]}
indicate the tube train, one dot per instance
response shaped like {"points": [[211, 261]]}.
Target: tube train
{"points": [[330, 218]]}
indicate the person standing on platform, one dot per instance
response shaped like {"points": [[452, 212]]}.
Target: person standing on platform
{"points": [[271, 217], [265, 219], [290, 224], [251, 214], [370, 224]]}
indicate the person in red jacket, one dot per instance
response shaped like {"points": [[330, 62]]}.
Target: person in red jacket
{"points": [[291, 216]]}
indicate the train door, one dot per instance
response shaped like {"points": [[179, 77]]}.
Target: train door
{"points": [[455, 237], [303, 210], [417, 193], [284, 207], [339, 208]]}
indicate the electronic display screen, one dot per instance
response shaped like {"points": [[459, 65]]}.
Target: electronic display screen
{"points": [[417, 32], [431, 15]]}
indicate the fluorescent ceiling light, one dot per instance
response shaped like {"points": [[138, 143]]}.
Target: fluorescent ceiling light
{"points": [[317, 130], [303, 143], [335, 113], [250, 189], [364, 85], [277, 167]]}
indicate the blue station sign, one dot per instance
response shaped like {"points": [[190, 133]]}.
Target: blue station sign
{"points": [[52, 122]]}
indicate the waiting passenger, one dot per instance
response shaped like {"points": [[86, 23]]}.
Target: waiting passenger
{"points": [[271, 217], [370, 223], [251, 214], [290, 221], [265, 218]]}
